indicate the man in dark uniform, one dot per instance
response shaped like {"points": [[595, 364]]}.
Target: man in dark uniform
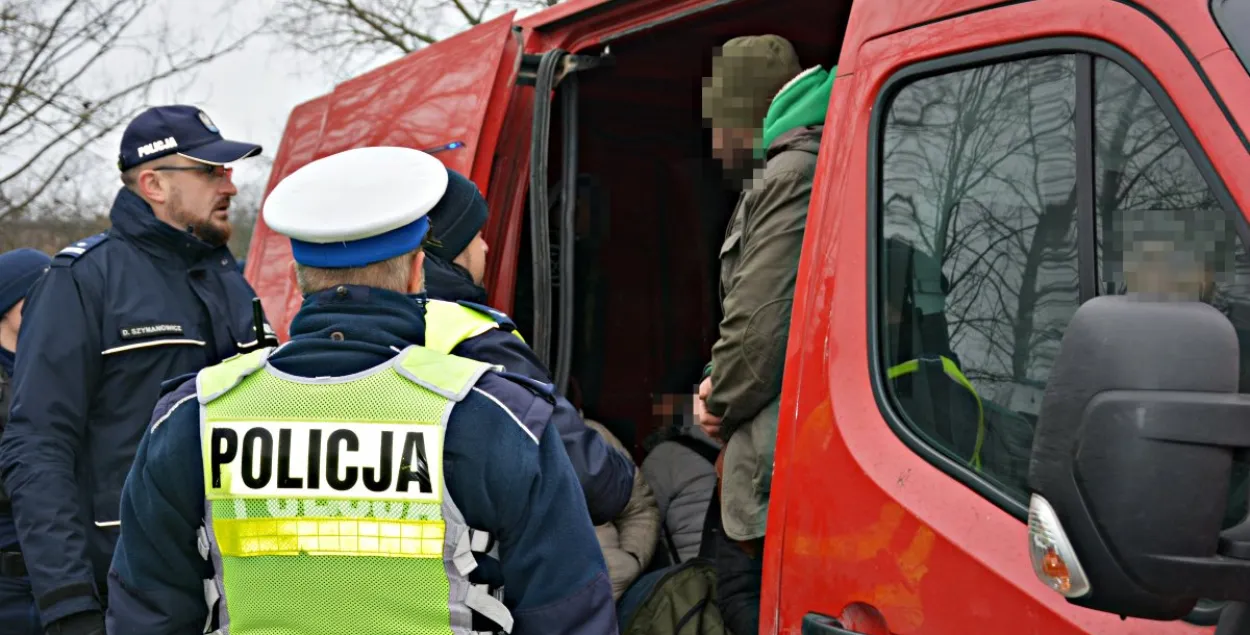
{"points": [[308, 550], [156, 296], [455, 267], [19, 269]]}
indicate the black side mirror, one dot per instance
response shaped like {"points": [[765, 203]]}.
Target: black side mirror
{"points": [[1132, 460]]}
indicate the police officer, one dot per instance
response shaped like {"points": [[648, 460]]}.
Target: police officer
{"points": [[156, 296], [458, 322], [19, 269], [330, 486]]}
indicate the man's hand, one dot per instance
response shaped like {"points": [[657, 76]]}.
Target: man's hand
{"points": [[708, 421]]}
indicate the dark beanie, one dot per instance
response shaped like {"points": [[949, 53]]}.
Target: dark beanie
{"points": [[457, 217], [19, 269]]}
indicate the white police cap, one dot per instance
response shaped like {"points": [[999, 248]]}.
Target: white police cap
{"points": [[357, 207]]}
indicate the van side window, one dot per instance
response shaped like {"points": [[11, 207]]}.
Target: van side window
{"points": [[1160, 228], [979, 255]]}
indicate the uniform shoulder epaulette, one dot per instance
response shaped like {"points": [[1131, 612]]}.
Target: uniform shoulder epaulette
{"points": [[541, 389], [69, 254], [498, 316]]}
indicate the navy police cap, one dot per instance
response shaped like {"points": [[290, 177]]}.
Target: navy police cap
{"points": [[183, 130], [357, 207]]}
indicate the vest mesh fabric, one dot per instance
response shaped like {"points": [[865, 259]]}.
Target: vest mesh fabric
{"points": [[340, 563]]}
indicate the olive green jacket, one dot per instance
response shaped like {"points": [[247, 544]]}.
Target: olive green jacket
{"points": [[759, 265]]}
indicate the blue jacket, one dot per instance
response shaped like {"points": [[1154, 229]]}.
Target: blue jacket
{"points": [[523, 492], [8, 531], [606, 475], [115, 315]]}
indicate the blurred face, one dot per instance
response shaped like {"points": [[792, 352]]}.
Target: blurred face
{"points": [[473, 258], [671, 410], [733, 147], [1157, 267], [187, 194]]}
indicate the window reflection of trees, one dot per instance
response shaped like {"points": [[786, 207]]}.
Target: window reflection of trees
{"points": [[980, 171], [1148, 187]]}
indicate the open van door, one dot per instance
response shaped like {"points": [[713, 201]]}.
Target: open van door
{"points": [[448, 99]]}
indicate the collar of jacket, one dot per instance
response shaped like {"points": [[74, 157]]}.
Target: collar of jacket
{"points": [[347, 329], [7, 359], [450, 282], [135, 221]]}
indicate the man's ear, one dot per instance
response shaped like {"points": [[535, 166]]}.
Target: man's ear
{"points": [[416, 281], [151, 187]]}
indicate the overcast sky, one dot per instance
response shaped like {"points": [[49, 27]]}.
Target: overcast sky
{"points": [[248, 93]]}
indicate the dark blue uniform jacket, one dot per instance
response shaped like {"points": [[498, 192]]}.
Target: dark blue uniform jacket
{"points": [[512, 480], [114, 316], [8, 531], [606, 475]]}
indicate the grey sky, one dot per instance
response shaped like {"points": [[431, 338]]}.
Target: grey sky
{"points": [[248, 93]]}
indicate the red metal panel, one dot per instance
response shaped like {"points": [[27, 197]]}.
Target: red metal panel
{"points": [[269, 255], [439, 95], [435, 96], [857, 516]]}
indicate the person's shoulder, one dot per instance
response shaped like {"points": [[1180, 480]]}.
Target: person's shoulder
{"points": [[174, 427], [506, 323], [518, 401], [88, 250], [175, 393]]}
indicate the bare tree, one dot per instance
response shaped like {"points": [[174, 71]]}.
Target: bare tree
{"points": [[245, 208], [73, 71], [355, 33]]}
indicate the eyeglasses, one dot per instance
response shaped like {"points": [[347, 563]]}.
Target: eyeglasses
{"points": [[215, 171]]}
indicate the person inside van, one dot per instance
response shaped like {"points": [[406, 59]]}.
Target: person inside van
{"points": [[457, 322], [766, 115], [930, 382]]}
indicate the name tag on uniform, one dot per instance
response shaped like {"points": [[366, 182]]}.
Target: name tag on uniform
{"points": [[364, 461], [150, 330]]}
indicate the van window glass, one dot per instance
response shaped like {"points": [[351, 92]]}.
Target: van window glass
{"points": [[1160, 228], [979, 270]]}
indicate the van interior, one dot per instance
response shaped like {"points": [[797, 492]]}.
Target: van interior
{"points": [[650, 214]]}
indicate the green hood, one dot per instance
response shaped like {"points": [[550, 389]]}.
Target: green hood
{"points": [[802, 102]]}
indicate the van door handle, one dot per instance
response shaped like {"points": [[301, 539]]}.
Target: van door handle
{"points": [[817, 624]]}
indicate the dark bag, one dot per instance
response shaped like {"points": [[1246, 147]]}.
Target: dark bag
{"points": [[677, 600]]}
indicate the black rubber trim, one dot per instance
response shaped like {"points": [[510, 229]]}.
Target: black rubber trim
{"points": [[67, 592], [1031, 48], [1193, 61], [1086, 197]]}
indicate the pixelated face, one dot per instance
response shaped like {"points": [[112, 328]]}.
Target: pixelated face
{"points": [[733, 147], [671, 409], [1161, 267]]}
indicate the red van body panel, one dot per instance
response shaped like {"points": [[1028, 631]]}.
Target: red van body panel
{"points": [[454, 92], [859, 517]]}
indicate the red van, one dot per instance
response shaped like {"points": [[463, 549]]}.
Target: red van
{"points": [[1020, 147]]}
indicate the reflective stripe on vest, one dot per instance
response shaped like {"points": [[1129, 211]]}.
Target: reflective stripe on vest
{"points": [[952, 371], [447, 324], [326, 507]]}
